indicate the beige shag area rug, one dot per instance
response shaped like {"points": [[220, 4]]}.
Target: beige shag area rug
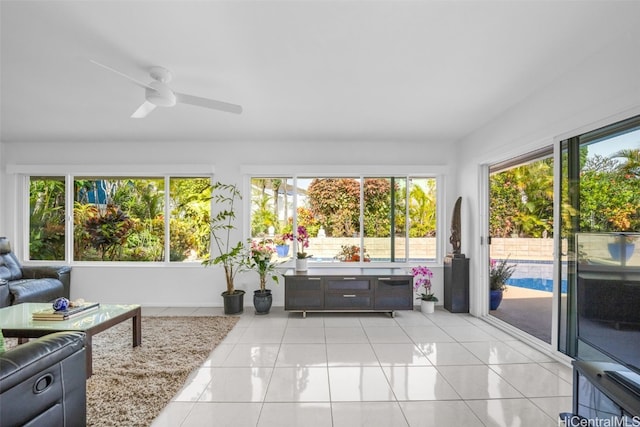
{"points": [[130, 386]]}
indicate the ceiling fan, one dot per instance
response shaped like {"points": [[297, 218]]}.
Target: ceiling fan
{"points": [[159, 94]]}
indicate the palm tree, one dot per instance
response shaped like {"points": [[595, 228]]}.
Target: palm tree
{"points": [[631, 164]]}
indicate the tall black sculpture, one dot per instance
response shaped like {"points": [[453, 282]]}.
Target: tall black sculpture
{"points": [[456, 269], [455, 228]]}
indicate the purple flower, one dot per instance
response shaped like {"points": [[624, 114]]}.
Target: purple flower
{"points": [[422, 279]]}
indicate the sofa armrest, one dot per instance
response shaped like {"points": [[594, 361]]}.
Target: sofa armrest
{"points": [[43, 382], [23, 361], [5, 297], [60, 272]]}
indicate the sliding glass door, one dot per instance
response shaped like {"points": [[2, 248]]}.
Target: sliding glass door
{"points": [[521, 230], [599, 222]]}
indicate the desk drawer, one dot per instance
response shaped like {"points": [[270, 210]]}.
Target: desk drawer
{"points": [[348, 284], [348, 301]]}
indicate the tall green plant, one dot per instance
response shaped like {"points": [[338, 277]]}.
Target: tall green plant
{"points": [[231, 255]]}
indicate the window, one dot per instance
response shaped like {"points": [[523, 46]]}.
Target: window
{"points": [[349, 219], [121, 218], [47, 218]]}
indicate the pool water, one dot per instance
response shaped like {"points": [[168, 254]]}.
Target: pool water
{"points": [[537, 284], [536, 275]]}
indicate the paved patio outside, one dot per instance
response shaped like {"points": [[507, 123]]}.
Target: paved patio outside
{"points": [[527, 309]]}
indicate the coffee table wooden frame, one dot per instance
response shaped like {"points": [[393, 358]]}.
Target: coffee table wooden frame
{"points": [[32, 331]]}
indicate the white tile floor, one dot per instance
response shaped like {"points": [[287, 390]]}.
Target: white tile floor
{"points": [[368, 370]]}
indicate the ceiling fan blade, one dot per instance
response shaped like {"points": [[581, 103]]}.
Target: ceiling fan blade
{"points": [[121, 74], [208, 103], [143, 110]]}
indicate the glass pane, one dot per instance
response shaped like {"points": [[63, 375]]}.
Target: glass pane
{"points": [[118, 219], [422, 219], [47, 218], [272, 212], [377, 220], [607, 263], [608, 292], [190, 204], [399, 220], [521, 227], [271, 206], [330, 210]]}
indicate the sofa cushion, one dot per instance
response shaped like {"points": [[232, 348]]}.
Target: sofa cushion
{"points": [[35, 290]]}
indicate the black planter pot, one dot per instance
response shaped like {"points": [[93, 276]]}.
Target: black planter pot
{"points": [[262, 301], [233, 303]]}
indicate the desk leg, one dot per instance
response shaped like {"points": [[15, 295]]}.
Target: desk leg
{"points": [[137, 328], [88, 345]]}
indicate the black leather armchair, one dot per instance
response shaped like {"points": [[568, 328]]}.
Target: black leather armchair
{"points": [[43, 382], [30, 283]]}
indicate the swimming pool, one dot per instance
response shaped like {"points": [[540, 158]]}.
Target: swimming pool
{"points": [[536, 275]]}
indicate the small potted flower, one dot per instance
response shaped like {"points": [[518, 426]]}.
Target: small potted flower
{"points": [[282, 247], [302, 237], [422, 279], [351, 253], [498, 275], [260, 260]]}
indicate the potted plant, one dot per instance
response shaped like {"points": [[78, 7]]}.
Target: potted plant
{"points": [[351, 253], [498, 275], [624, 219], [422, 279], [231, 255], [302, 237], [621, 246], [260, 260], [282, 247]]}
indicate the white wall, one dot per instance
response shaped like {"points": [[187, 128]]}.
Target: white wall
{"points": [[194, 285], [602, 90]]}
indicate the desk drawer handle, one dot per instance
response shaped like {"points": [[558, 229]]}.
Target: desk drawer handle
{"points": [[385, 278], [349, 296], [348, 278], [313, 278]]}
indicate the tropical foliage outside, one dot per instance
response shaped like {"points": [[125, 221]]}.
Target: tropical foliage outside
{"points": [[333, 204], [120, 219], [522, 198]]}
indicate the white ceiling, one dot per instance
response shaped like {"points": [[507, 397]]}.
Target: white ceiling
{"points": [[302, 70]]}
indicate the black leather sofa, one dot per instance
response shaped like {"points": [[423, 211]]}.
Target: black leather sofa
{"points": [[20, 283], [43, 382]]}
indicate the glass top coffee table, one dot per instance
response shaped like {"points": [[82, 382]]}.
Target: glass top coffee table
{"points": [[17, 322]]}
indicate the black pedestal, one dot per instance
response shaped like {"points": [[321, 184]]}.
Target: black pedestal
{"points": [[456, 284]]}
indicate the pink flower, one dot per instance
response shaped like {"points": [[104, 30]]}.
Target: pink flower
{"points": [[422, 277]]}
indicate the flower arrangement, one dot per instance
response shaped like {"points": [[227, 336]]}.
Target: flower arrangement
{"points": [[260, 255], [422, 279], [499, 274], [302, 236], [351, 253]]}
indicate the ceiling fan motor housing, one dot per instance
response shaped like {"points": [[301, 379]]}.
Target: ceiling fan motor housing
{"points": [[160, 95]]}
